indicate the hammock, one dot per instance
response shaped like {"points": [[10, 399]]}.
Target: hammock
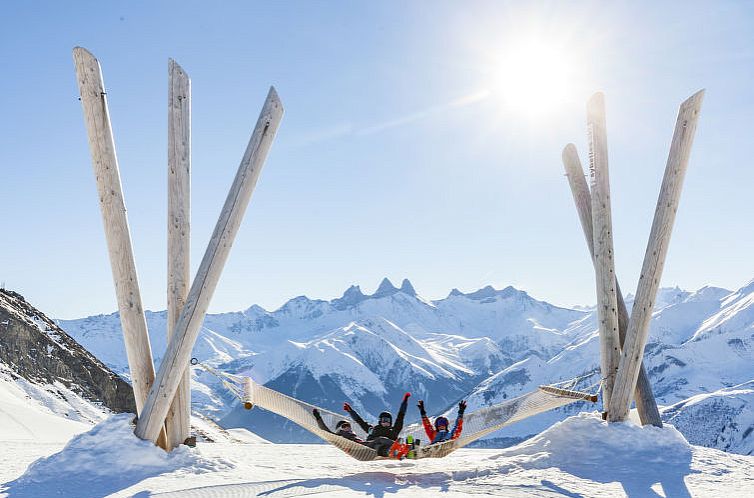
{"points": [[476, 424]]}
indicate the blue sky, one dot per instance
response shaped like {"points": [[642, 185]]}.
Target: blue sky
{"points": [[404, 151]]}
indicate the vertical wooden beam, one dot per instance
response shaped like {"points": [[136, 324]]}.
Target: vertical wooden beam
{"points": [[117, 234], [645, 401], [654, 258], [177, 356], [604, 264], [178, 420]]}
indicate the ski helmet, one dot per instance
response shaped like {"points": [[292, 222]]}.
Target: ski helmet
{"points": [[441, 421], [341, 423], [386, 417]]}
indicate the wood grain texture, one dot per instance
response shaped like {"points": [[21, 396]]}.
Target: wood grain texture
{"points": [[177, 422], [645, 401], [117, 233], [604, 263], [178, 353], [654, 258]]}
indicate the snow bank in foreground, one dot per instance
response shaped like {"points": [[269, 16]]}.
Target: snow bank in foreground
{"points": [[106, 459], [597, 443], [589, 448]]}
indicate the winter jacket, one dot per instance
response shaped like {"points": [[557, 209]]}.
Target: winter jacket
{"points": [[346, 434], [375, 431], [440, 436]]}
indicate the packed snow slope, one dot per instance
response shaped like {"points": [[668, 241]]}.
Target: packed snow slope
{"points": [[580, 456], [487, 346]]}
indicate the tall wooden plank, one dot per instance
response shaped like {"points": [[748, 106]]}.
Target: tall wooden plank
{"points": [[654, 258], [117, 234], [177, 422], [178, 353], [604, 264], [645, 401]]}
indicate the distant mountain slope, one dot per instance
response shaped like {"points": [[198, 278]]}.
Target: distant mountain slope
{"points": [[52, 367], [486, 346]]}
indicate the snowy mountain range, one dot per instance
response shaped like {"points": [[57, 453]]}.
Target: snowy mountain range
{"points": [[485, 346]]}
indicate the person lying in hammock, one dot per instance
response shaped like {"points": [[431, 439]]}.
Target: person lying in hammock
{"points": [[343, 429], [440, 432], [385, 427]]}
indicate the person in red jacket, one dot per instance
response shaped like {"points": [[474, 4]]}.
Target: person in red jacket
{"points": [[439, 432]]}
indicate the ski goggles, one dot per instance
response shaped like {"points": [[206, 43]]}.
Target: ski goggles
{"points": [[386, 420]]}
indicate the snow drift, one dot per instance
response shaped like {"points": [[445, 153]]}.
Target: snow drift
{"points": [[106, 459]]}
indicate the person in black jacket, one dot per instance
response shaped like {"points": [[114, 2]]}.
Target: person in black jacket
{"points": [[342, 428], [385, 427]]}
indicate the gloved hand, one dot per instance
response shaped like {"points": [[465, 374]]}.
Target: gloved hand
{"points": [[461, 407], [420, 404], [406, 396], [347, 407], [316, 413]]}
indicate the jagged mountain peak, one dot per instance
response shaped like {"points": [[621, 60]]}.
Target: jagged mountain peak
{"points": [[455, 292], [254, 310], [351, 297], [489, 291], [407, 288], [386, 288]]}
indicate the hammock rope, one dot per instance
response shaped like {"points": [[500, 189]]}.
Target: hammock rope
{"points": [[476, 424]]}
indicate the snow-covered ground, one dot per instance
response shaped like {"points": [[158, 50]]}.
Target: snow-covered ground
{"points": [[581, 456]]}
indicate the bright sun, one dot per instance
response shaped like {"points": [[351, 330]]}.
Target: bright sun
{"points": [[534, 78]]}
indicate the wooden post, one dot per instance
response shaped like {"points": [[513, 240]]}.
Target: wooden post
{"points": [[604, 265], [178, 353], [178, 420], [654, 258], [248, 397], [645, 401], [117, 234]]}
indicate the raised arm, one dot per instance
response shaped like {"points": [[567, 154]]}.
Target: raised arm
{"points": [[321, 423], [458, 427], [398, 425], [428, 429], [356, 418]]}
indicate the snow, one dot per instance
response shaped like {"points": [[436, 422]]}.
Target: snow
{"points": [[580, 456], [107, 458], [24, 418], [485, 346]]}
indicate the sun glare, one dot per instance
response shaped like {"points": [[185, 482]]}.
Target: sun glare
{"points": [[534, 78]]}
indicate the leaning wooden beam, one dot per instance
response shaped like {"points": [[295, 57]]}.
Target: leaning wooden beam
{"points": [[645, 401], [178, 353], [604, 264], [654, 258], [177, 422], [117, 234]]}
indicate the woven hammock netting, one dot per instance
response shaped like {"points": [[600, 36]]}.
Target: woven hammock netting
{"points": [[476, 424]]}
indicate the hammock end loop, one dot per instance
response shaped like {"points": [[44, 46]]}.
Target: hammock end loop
{"points": [[248, 393]]}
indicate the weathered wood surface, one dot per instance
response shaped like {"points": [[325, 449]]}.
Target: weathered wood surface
{"points": [[179, 349], [654, 258], [604, 264], [117, 234], [177, 422], [645, 401]]}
